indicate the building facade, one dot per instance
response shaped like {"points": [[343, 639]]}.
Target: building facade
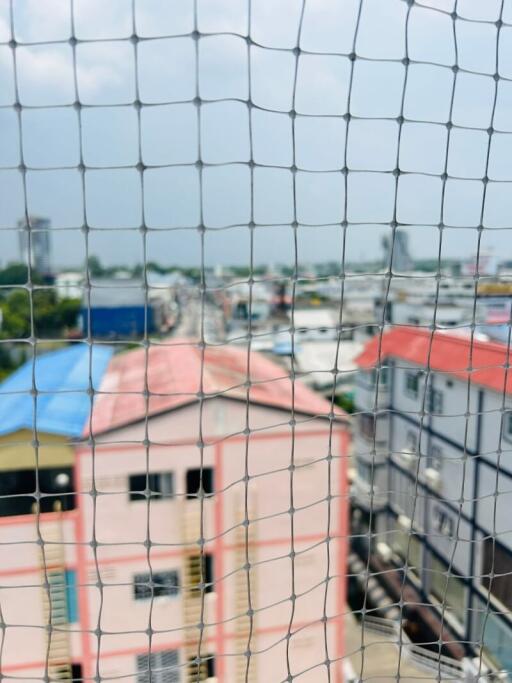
{"points": [[37, 249], [130, 588], [432, 485]]}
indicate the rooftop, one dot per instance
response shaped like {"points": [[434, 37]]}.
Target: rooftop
{"points": [[61, 378], [176, 374], [485, 362]]}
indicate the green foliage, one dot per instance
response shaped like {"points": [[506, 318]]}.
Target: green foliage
{"points": [[8, 363], [95, 267], [157, 268], [245, 271], [346, 402], [17, 274], [52, 317]]}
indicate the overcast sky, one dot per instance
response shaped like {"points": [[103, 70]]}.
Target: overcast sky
{"points": [[170, 135]]}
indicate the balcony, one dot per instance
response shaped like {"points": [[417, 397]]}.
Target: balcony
{"points": [[367, 496]]}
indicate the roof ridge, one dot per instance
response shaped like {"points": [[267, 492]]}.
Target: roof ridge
{"points": [[490, 344]]}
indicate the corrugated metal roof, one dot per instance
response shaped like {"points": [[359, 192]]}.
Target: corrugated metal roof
{"points": [[115, 292], [61, 380], [174, 380], [449, 353]]}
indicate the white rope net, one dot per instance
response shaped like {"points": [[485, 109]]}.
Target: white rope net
{"points": [[237, 443]]}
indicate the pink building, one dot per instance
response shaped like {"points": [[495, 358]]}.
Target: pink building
{"points": [[162, 465]]}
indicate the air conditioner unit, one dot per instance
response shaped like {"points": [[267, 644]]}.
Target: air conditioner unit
{"points": [[433, 478], [384, 551], [408, 459], [404, 522]]}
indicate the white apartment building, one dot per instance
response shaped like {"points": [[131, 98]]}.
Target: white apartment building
{"points": [[432, 491]]}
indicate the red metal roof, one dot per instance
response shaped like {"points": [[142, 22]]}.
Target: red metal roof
{"points": [[174, 379], [444, 352]]}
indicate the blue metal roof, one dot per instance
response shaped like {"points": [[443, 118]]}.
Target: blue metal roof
{"points": [[62, 378], [284, 348]]}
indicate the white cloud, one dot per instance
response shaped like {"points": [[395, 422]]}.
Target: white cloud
{"points": [[39, 21]]}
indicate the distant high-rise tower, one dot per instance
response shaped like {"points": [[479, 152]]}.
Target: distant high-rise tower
{"points": [[402, 261], [40, 244]]}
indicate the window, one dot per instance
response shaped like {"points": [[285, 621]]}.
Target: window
{"points": [[508, 425], [452, 594], [412, 383], [364, 472], [76, 673], [443, 522], [436, 458], [411, 442], [164, 667], [381, 376], [194, 481], [497, 560], [435, 401], [17, 489], [160, 485], [165, 584], [403, 542], [194, 573], [367, 425], [202, 671]]}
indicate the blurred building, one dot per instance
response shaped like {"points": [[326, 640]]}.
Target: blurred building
{"points": [[396, 252], [69, 285], [431, 486], [37, 249], [167, 470], [124, 308], [58, 415], [423, 300], [494, 308]]}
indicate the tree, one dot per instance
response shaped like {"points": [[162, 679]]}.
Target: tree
{"points": [[95, 267], [17, 274], [52, 317]]}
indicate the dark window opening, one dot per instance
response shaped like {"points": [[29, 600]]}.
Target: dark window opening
{"points": [[208, 572], [160, 485], [508, 424], [76, 673], [18, 491], [194, 482], [164, 584], [210, 666], [497, 561], [196, 576], [412, 384], [241, 311], [203, 670], [435, 401], [367, 425]]}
